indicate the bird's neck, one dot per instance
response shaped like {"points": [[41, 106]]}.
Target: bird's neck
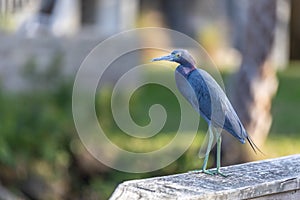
{"points": [[185, 70]]}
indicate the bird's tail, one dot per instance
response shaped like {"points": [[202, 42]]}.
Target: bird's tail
{"points": [[253, 145]]}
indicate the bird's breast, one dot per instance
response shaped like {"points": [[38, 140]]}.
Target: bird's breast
{"points": [[187, 70]]}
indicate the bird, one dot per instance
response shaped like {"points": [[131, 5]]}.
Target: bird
{"points": [[205, 95]]}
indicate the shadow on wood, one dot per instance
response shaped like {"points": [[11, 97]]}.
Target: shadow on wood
{"points": [[267, 179]]}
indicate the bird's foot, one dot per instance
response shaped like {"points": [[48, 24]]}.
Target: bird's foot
{"points": [[211, 172], [217, 172]]}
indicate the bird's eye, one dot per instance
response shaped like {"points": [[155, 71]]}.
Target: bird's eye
{"points": [[177, 55]]}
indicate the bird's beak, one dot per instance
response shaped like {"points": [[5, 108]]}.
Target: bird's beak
{"points": [[168, 58]]}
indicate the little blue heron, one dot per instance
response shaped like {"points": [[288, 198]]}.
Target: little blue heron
{"points": [[209, 100]]}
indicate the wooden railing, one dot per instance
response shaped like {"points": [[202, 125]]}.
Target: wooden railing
{"points": [[267, 179]]}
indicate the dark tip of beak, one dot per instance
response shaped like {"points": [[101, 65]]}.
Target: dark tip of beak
{"points": [[155, 59]]}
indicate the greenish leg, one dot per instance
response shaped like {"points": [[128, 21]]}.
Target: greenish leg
{"points": [[209, 144], [210, 140], [219, 141], [217, 171]]}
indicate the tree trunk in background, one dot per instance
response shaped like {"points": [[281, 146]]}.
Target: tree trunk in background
{"points": [[255, 83], [88, 12], [295, 30]]}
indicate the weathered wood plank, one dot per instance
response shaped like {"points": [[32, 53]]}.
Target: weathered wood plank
{"points": [[268, 179], [289, 195]]}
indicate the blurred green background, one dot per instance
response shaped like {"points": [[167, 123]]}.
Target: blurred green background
{"points": [[43, 43], [38, 138]]}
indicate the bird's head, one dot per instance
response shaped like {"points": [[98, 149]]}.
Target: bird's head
{"points": [[180, 56]]}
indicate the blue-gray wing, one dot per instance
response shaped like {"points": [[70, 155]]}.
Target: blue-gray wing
{"points": [[208, 98]]}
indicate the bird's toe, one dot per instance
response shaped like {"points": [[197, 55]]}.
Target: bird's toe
{"points": [[218, 172]]}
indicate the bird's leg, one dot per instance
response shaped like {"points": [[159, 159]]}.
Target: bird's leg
{"points": [[210, 140], [217, 171], [219, 142], [209, 145]]}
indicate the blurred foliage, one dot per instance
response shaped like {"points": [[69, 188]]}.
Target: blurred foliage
{"points": [[285, 108], [28, 118], [38, 137], [6, 23], [36, 126]]}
